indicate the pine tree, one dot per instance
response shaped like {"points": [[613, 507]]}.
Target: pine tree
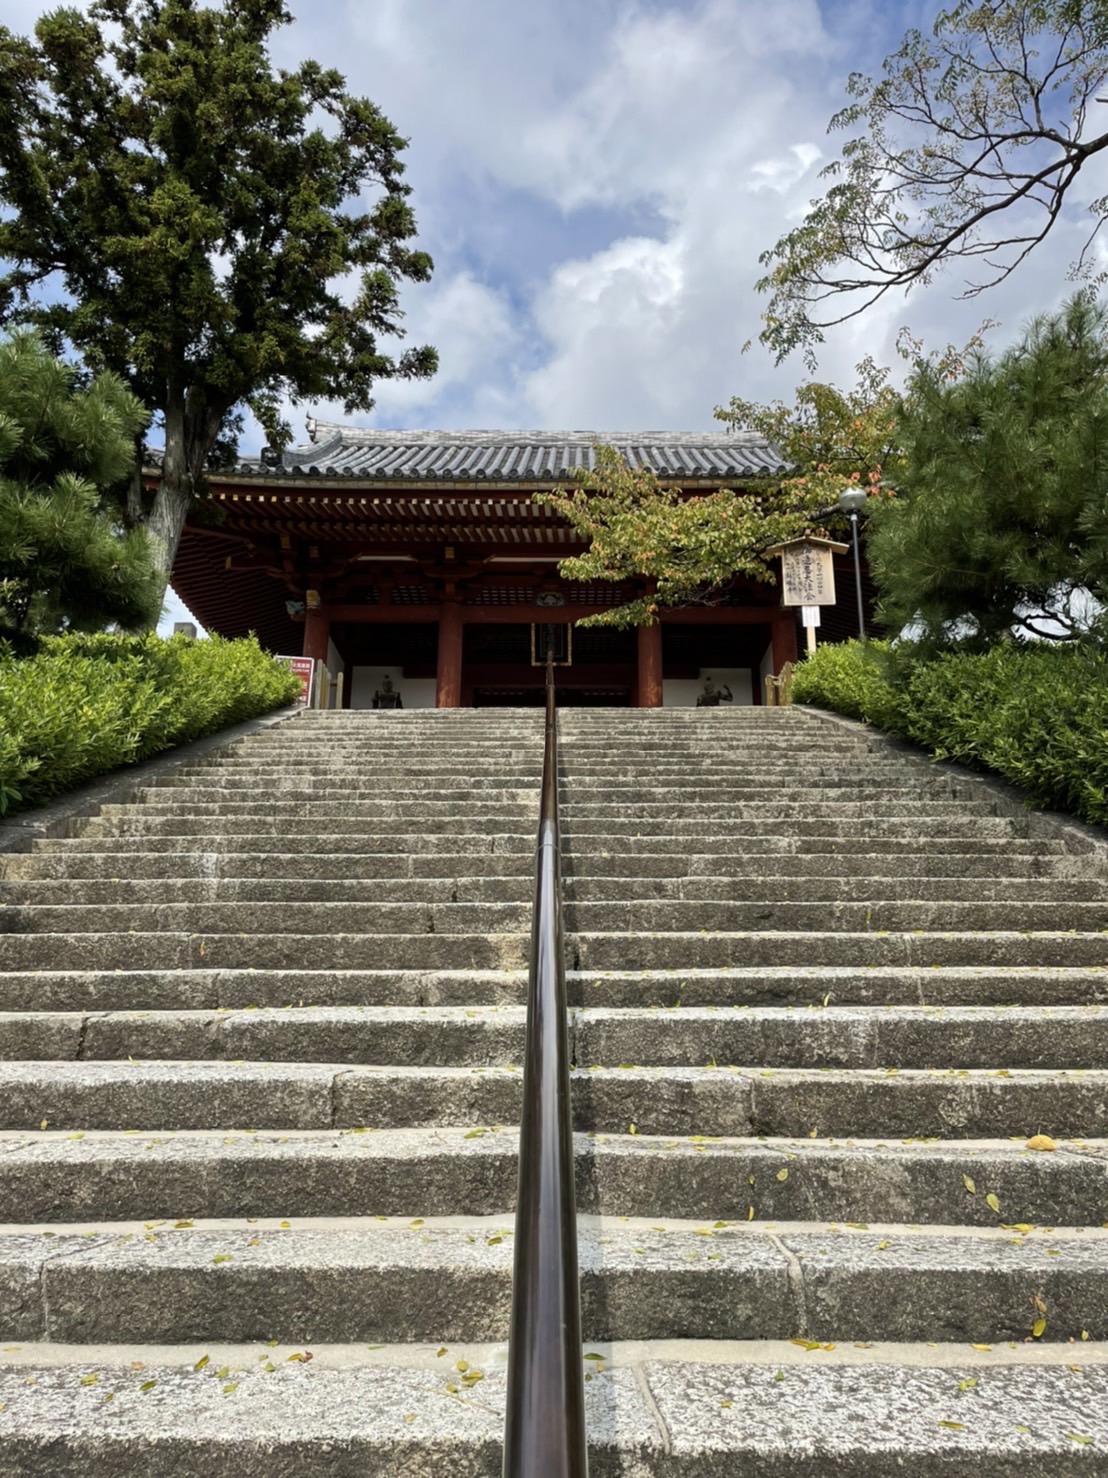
{"points": [[1000, 522], [65, 450]]}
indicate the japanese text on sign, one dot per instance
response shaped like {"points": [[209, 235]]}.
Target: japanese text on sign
{"points": [[807, 576], [303, 667]]}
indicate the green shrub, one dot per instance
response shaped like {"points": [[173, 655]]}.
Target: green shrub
{"points": [[86, 704], [1035, 714], [849, 678]]}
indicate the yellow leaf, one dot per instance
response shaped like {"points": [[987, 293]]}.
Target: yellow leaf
{"points": [[89, 1380], [982, 1347], [954, 1426], [782, 1175], [1038, 1329], [1041, 1142], [992, 1202], [969, 1185], [1077, 1437]]}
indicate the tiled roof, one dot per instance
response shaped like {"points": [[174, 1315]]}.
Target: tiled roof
{"points": [[514, 456]]}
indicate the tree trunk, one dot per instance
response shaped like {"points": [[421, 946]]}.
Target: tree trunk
{"points": [[174, 494], [191, 428]]}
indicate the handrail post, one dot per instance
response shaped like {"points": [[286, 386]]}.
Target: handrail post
{"points": [[544, 1430]]}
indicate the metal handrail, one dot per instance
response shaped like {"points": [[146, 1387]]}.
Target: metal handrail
{"points": [[544, 1429]]}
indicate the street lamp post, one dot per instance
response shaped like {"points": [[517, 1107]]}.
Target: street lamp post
{"points": [[852, 500]]}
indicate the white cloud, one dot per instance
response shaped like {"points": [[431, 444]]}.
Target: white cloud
{"points": [[596, 180]]}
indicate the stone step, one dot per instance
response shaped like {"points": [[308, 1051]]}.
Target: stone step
{"points": [[403, 744], [724, 887], [921, 831], [520, 804], [227, 770], [651, 916], [260, 918], [307, 842], [582, 845], [707, 842], [957, 1103], [346, 780], [775, 869], [517, 887], [446, 823], [244, 868], [409, 1173], [675, 1409], [436, 806], [448, 1280], [685, 916], [890, 1036], [693, 794], [706, 951], [242, 951], [199, 988], [478, 950], [514, 888]]}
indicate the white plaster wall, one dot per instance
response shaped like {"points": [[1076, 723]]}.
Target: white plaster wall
{"points": [[416, 692], [682, 692]]}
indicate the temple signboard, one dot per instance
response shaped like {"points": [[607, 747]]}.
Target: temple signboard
{"points": [[807, 571]]}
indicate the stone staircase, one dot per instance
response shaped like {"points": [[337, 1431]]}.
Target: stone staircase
{"points": [[260, 1032]]}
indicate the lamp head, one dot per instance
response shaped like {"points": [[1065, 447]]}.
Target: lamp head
{"points": [[852, 500]]}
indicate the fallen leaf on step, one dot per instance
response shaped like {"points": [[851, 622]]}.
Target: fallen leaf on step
{"points": [[1041, 1142]]}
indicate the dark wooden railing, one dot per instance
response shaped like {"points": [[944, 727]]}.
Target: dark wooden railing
{"points": [[544, 1431]]}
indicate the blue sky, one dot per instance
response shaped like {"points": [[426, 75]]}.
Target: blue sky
{"points": [[595, 180]]}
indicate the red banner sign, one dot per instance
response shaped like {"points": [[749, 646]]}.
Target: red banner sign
{"points": [[304, 667]]}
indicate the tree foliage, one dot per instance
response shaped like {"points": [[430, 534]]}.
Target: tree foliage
{"points": [[65, 563], [681, 549], [831, 437], [968, 147], [216, 231], [1001, 516]]}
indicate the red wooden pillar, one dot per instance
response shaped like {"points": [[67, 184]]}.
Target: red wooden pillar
{"points": [[784, 638], [448, 676], [649, 687], [317, 633]]}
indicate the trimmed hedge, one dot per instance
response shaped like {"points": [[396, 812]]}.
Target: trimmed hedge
{"points": [[85, 704], [1036, 715]]}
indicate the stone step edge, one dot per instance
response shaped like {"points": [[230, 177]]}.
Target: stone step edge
{"points": [[655, 1409], [848, 1037], [939, 1355], [788, 1273], [670, 1104]]}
